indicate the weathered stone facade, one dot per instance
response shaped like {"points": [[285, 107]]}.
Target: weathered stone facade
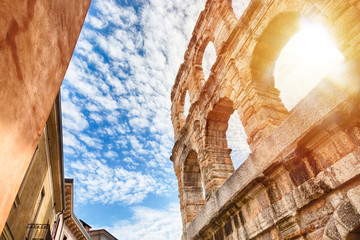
{"points": [[302, 178]]}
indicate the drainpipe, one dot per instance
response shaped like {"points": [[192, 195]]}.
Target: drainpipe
{"points": [[55, 229]]}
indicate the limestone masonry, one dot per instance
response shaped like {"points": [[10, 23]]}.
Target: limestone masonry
{"points": [[302, 178]]}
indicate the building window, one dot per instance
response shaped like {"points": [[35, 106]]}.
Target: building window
{"points": [[38, 205]]}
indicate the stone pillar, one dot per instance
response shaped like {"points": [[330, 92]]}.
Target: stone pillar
{"points": [[198, 81], [215, 161], [217, 167], [190, 189], [261, 111]]}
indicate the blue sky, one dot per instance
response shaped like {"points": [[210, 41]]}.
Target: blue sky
{"points": [[116, 115]]}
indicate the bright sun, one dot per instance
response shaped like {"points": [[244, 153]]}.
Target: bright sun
{"points": [[307, 58]]}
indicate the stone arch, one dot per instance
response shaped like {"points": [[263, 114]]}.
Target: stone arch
{"points": [[209, 59], [261, 109], [203, 44], [308, 57], [190, 188], [267, 111], [282, 24], [183, 111], [218, 164], [277, 33], [220, 21], [178, 117], [186, 103]]}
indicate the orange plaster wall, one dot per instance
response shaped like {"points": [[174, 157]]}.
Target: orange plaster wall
{"points": [[37, 39]]}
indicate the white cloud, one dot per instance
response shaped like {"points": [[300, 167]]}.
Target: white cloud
{"points": [[121, 16], [84, 47], [70, 140], [111, 154], [131, 162], [73, 118], [107, 185], [117, 90], [69, 150], [91, 141], [135, 143], [122, 143], [148, 224], [95, 22], [96, 117], [92, 107], [209, 59], [122, 128], [139, 123], [239, 6], [236, 138]]}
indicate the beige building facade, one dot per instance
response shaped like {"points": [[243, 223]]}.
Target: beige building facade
{"points": [[101, 234], [40, 196], [97, 234], [43, 208]]}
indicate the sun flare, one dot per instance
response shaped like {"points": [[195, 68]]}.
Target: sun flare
{"points": [[307, 58]]}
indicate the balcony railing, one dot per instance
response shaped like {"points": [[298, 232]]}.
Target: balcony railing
{"points": [[39, 232]]}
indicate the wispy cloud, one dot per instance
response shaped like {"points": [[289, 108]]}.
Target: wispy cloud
{"points": [[98, 182], [240, 6], [148, 224], [116, 98], [236, 138]]}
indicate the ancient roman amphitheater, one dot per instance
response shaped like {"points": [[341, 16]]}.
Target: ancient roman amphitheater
{"points": [[302, 178]]}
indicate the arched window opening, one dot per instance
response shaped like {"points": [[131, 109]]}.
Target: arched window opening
{"points": [[192, 198], [219, 165], [184, 107], [239, 7], [186, 104], [306, 59], [209, 59], [236, 139]]}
